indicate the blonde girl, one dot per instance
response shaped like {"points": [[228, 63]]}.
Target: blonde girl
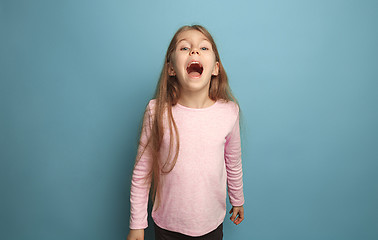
{"points": [[189, 150]]}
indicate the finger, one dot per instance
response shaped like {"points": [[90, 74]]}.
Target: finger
{"points": [[241, 213], [238, 221], [240, 218], [234, 214]]}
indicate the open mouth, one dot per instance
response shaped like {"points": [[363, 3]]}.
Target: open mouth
{"points": [[194, 69]]}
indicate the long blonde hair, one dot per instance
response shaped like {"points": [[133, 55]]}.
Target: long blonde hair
{"points": [[167, 95]]}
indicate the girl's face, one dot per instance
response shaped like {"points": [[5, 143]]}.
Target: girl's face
{"points": [[193, 61]]}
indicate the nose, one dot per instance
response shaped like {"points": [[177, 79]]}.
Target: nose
{"points": [[194, 51]]}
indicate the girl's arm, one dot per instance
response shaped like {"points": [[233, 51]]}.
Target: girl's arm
{"points": [[140, 183], [234, 170]]}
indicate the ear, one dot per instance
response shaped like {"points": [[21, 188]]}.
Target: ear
{"points": [[171, 71], [216, 69]]}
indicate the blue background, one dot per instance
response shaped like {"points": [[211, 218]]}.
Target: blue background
{"points": [[76, 76]]}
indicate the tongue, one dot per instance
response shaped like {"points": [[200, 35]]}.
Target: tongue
{"points": [[194, 74]]}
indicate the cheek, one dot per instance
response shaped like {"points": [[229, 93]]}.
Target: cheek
{"points": [[212, 61], [178, 62], [211, 56]]}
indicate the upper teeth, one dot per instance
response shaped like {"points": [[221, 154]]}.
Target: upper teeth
{"points": [[194, 63]]}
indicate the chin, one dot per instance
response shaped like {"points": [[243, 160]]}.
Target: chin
{"points": [[197, 84]]}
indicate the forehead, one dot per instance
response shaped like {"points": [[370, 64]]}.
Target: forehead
{"points": [[191, 36]]}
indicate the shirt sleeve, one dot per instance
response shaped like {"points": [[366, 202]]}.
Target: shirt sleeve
{"points": [[140, 184], [232, 154]]}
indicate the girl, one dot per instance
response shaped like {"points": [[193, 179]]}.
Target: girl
{"points": [[189, 148]]}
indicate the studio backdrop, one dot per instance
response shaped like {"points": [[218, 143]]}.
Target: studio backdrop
{"points": [[75, 77]]}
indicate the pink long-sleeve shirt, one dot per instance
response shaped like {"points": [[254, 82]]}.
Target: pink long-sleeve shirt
{"points": [[193, 194]]}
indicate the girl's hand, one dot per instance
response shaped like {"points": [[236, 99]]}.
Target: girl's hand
{"points": [[136, 234], [235, 212]]}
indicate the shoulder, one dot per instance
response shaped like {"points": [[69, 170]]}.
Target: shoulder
{"points": [[152, 103], [150, 108], [229, 106], [228, 111]]}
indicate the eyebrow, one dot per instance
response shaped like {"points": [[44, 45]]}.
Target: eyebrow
{"points": [[184, 39]]}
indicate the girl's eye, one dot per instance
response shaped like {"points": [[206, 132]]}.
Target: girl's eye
{"points": [[204, 48], [184, 48]]}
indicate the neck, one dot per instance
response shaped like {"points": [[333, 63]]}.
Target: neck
{"points": [[195, 99]]}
